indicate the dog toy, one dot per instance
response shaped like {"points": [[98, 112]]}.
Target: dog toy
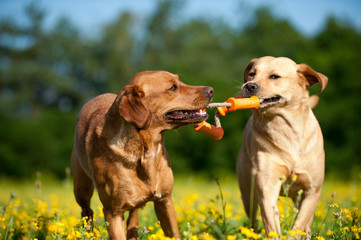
{"points": [[232, 104]]}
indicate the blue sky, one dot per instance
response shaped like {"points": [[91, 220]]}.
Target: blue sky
{"points": [[308, 16]]}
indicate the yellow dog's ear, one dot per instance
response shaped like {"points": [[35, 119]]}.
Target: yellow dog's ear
{"points": [[131, 107], [312, 77], [248, 68]]}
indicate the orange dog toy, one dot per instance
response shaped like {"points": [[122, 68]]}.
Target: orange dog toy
{"points": [[232, 104], [215, 132], [239, 103]]}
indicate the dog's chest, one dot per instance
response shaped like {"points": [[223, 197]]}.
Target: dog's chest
{"points": [[151, 196], [153, 178], [287, 140], [132, 189], [146, 192]]}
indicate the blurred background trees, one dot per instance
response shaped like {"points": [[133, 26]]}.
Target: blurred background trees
{"points": [[47, 75]]}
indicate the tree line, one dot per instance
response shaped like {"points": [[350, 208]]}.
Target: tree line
{"points": [[46, 75]]}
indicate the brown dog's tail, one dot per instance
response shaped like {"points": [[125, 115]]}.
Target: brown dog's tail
{"points": [[313, 101]]}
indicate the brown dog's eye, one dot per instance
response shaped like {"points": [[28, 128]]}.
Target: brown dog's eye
{"points": [[274, 76], [251, 74], [174, 87]]}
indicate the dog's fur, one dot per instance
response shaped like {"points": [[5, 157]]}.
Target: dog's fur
{"points": [[282, 137], [119, 149]]}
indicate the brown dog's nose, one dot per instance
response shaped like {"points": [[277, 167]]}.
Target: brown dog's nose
{"points": [[250, 89], [208, 92]]}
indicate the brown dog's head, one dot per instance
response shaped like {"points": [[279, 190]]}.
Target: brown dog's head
{"points": [[160, 99], [278, 82]]}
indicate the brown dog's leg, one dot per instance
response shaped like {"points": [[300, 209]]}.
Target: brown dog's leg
{"points": [[83, 187], [165, 212], [306, 213], [132, 225], [116, 228]]}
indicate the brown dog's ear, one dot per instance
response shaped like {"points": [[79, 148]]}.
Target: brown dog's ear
{"points": [[131, 107], [312, 77], [246, 70]]}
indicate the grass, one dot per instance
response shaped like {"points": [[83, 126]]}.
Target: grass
{"points": [[206, 209]]}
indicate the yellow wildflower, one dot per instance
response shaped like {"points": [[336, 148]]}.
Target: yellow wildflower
{"points": [[334, 205], [355, 229], [54, 211], [296, 232], [206, 236], [292, 232], [231, 237], [17, 203], [88, 235], [319, 214], [97, 233], [283, 177], [100, 209], [299, 231], [272, 234], [194, 196], [357, 236], [347, 214], [248, 232]]}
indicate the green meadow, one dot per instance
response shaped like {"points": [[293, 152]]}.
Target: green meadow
{"points": [[45, 208]]}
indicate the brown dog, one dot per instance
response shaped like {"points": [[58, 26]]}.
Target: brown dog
{"points": [[119, 148], [282, 137]]}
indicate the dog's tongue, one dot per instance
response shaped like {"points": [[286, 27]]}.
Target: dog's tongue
{"points": [[239, 96]]}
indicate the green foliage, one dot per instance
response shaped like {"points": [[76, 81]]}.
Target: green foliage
{"points": [[47, 75], [40, 143]]}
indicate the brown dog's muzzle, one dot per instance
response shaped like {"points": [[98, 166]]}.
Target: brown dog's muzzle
{"points": [[208, 92], [192, 115]]}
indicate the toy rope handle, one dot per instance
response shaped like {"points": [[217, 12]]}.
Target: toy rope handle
{"points": [[239, 103], [216, 132]]}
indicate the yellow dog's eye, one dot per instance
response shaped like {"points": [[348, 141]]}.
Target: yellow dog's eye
{"points": [[174, 87], [274, 76], [251, 74]]}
